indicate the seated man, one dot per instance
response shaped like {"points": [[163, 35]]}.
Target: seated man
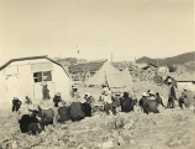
{"points": [[151, 95], [86, 104], [107, 100], [142, 100], [126, 103]]}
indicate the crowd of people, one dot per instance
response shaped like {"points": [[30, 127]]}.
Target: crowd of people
{"points": [[85, 107]]}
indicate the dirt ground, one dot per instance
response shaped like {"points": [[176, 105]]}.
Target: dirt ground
{"points": [[170, 129]]}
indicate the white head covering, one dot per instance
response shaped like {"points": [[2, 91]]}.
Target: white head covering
{"points": [[169, 80], [151, 92], [144, 94], [152, 98], [32, 107], [82, 100]]}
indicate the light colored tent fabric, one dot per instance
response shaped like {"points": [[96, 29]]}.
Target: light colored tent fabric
{"points": [[114, 78]]}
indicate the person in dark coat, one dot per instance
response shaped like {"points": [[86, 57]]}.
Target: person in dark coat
{"points": [[75, 92], [159, 99], [45, 92], [47, 116], [28, 100], [183, 100], [57, 99], [30, 124], [148, 104], [172, 97], [64, 114], [126, 103], [16, 104], [142, 100], [76, 111], [86, 104]]}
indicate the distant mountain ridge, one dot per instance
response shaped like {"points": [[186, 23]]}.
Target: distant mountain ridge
{"points": [[175, 60]]}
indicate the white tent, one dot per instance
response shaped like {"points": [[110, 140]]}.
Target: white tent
{"points": [[114, 78]]}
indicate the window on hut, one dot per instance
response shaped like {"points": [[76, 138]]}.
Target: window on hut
{"points": [[42, 76], [47, 76]]}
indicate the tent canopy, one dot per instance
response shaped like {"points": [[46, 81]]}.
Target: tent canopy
{"points": [[108, 74]]}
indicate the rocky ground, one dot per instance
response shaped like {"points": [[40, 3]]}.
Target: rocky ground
{"points": [[171, 129]]}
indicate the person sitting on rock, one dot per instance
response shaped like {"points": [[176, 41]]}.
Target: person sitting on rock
{"points": [[86, 104], [151, 95], [143, 98], [126, 103]]}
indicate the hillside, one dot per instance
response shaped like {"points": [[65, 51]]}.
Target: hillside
{"points": [[179, 59]]}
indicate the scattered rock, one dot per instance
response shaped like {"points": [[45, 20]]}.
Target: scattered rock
{"points": [[81, 146], [132, 142], [107, 145], [119, 122], [180, 139], [129, 125], [120, 141]]}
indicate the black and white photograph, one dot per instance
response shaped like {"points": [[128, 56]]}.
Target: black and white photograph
{"points": [[97, 74]]}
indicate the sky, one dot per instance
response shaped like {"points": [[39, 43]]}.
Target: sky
{"points": [[126, 28]]}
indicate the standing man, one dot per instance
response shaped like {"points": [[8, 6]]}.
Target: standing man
{"points": [[159, 99], [45, 91], [16, 104], [172, 95], [107, 99], [183, 100]]}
